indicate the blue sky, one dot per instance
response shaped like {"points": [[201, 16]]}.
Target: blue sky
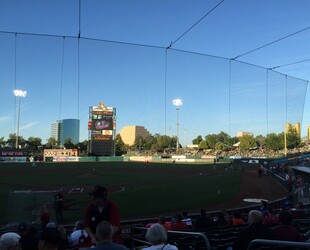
{"points": [[218, 94]]}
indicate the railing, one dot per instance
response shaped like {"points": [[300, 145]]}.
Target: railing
{"points": [[278, 243], [196, 236]]}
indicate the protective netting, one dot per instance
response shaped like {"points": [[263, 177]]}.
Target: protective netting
{"points": [[26, 205], [218, 94]]}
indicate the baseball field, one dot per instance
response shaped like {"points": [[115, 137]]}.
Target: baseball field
{"points": [[140, 189]]}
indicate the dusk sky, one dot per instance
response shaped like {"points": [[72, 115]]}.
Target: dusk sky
{"points": [[122, 59]]}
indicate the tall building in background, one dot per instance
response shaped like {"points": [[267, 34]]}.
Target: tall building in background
{"points": [[66, 128], [130, 133], [308, 132]]}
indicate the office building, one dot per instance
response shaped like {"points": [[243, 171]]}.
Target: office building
{"points": [[130, 133], [64, 129], [240, 134]]}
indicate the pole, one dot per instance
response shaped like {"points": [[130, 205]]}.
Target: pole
{"points": [[177, 129], [18, 117], [285, 141]]}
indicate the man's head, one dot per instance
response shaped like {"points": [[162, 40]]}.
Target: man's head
{"points": [[255, 217], [100, 195], [22, 228], [10, 241], [104, 231], [285, 217], [156, 234], [178, 217]]}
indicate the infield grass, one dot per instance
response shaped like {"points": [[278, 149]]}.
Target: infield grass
{"points": [[140, 189]]}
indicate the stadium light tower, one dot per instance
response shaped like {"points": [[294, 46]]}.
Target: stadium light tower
{"points": [[177, 103], [18, 93]]}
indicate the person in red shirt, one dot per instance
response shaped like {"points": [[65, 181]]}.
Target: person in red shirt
{"points": [[236, 220], [286, 231], [271, 219], [178, 225], [101, 209], [163, 222]]}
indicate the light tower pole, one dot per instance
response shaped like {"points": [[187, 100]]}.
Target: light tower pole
{"points": [[18, 93], [177, 103]]}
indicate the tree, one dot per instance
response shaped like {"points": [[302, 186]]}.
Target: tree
{"points": [[148, 142], [260, 140], [12, 141], [224, 138], [274, 142], [202, 145], [82, 146], [51, 143], [220, 146], [33, 143], [139, 143], [120, 147], [68, 144], [2, 142], [292, 137], [197, 140], [247, 142], [163, 142], [211, 141]]}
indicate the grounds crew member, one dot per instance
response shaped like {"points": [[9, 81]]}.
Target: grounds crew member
{"points": [[101, 209]]}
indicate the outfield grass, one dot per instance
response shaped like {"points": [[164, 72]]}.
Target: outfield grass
{"points": [[149, 189]]}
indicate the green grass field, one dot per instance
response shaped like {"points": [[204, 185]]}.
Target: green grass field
{"points": [[140, 189]]}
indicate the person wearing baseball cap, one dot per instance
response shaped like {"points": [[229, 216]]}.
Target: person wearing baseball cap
{"points": [[101, 209]]}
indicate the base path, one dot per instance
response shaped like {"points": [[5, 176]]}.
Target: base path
{"points": [[253, 187]]}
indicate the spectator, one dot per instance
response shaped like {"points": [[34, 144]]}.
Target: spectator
{"points": [[10, 241], [104, 233], [101, 209], [264, 207], [64, 243], [187, 220], [77, 235], [288, 202], [163, 222], [255, 230], [222, 218], [286, 231], [157, 236], [178, 224], [236, 220], [58, 207], [50, 239], [271, 219], [28, 240], [203, 222], [44, 217]]}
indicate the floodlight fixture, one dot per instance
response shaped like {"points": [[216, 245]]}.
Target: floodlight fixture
{"points": [[177, 103]]}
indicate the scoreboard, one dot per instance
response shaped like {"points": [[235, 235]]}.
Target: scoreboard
{"points": [[101, 130]]}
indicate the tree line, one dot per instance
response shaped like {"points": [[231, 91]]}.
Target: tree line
{"points": [[163, 143], [273, 141], [35, 145]]}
